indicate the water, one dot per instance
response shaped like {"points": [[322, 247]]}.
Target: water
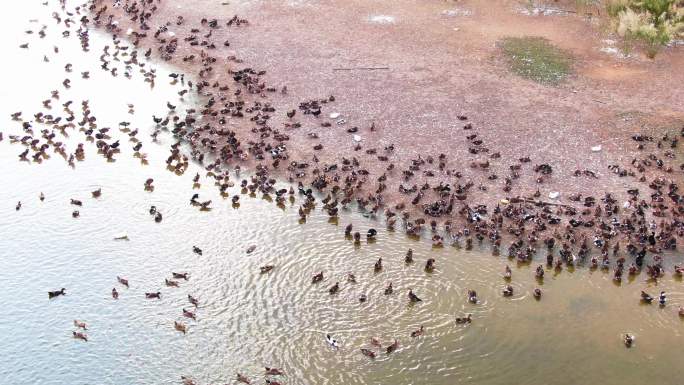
{"points": [[247, 320]]}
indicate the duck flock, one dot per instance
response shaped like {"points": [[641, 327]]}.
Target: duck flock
{"points": [[240, 123]]}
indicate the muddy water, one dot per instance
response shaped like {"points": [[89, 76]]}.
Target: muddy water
{"points": [[247, 320]]}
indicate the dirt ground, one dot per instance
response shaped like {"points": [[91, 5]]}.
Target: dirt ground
{"points": [[441, 65]]}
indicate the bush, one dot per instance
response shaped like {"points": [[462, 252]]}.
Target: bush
{"points": [[655, 22]]}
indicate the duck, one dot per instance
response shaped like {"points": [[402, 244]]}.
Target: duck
{"points": [[76, 202], [97, 193], [507, 273], [18, 206], [170, 283], [334, 288], [81, 325], [430, 265], [318, 277], [193, 300], [409, 256], [332, 342], [265, 269], [156, 295], [181, 327], [628, 340], [368, 353], [464, 320], [371, 233], [375, 342], [389, 290], [158, 217], [274, 372], [508, 291], [243, 379], [351, 278], [122, 281], [393, 347], [57, 293], [539, 274], [272, 382], [645, 297], [413, 297], [251, 249], [153, 210], [189, 314], [80, 336], [197, 250], [378, 265], [472, 296], [180, 275], [41, 196], [537, 293], [681, 311], [115, 294], [75, 214], [662, 298], [363, 298], [418, 332], [187, 381]]}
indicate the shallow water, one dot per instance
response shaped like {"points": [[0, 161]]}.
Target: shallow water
{"points": [[247, 320]]}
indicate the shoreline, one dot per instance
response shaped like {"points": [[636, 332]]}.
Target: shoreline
{"points": [[461, 191]]}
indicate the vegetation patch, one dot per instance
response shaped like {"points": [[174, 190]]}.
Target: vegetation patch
{"points": [[653, 22], [537, 59]]}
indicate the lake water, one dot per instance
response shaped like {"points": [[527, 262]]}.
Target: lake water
{"points": [[247, 320]]}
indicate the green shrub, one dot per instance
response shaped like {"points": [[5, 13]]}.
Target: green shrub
{"points": [[655, 22]]}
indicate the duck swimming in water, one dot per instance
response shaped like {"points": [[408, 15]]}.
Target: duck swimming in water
{"points": [[662, 298], [378, 265], [97, 193], [472, 296], [156, 295], [409, 256], [122, 281], [170, 283], [18, 206], [628, 340], [537, 293], [243, 379], [180, 275], [389, 290], [53, 294], [464, 320], [334, 288], [80, 336], [368, 353], [508, 291], [274, 372], [417, 333], [332, 342], [393, 347], [80, 324], [189, 314], [430, 265], [180, 327], [413, 297], [193, 300], [115, 294], [197, 250], [645, 297], [507, 273], [265, 269], [317, 277]]}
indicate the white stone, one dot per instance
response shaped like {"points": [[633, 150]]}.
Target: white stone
{"points": [[554, 194], [129, 31], [596, 148], [357, 138], [334, 115]]}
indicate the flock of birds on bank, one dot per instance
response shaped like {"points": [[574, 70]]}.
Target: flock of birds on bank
{"points": [[646, 223]]}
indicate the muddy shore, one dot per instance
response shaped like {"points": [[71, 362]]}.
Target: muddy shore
{"points": [[441, 99]]}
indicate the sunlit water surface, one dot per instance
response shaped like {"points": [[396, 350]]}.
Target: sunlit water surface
{"points": [[247, 320]]}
